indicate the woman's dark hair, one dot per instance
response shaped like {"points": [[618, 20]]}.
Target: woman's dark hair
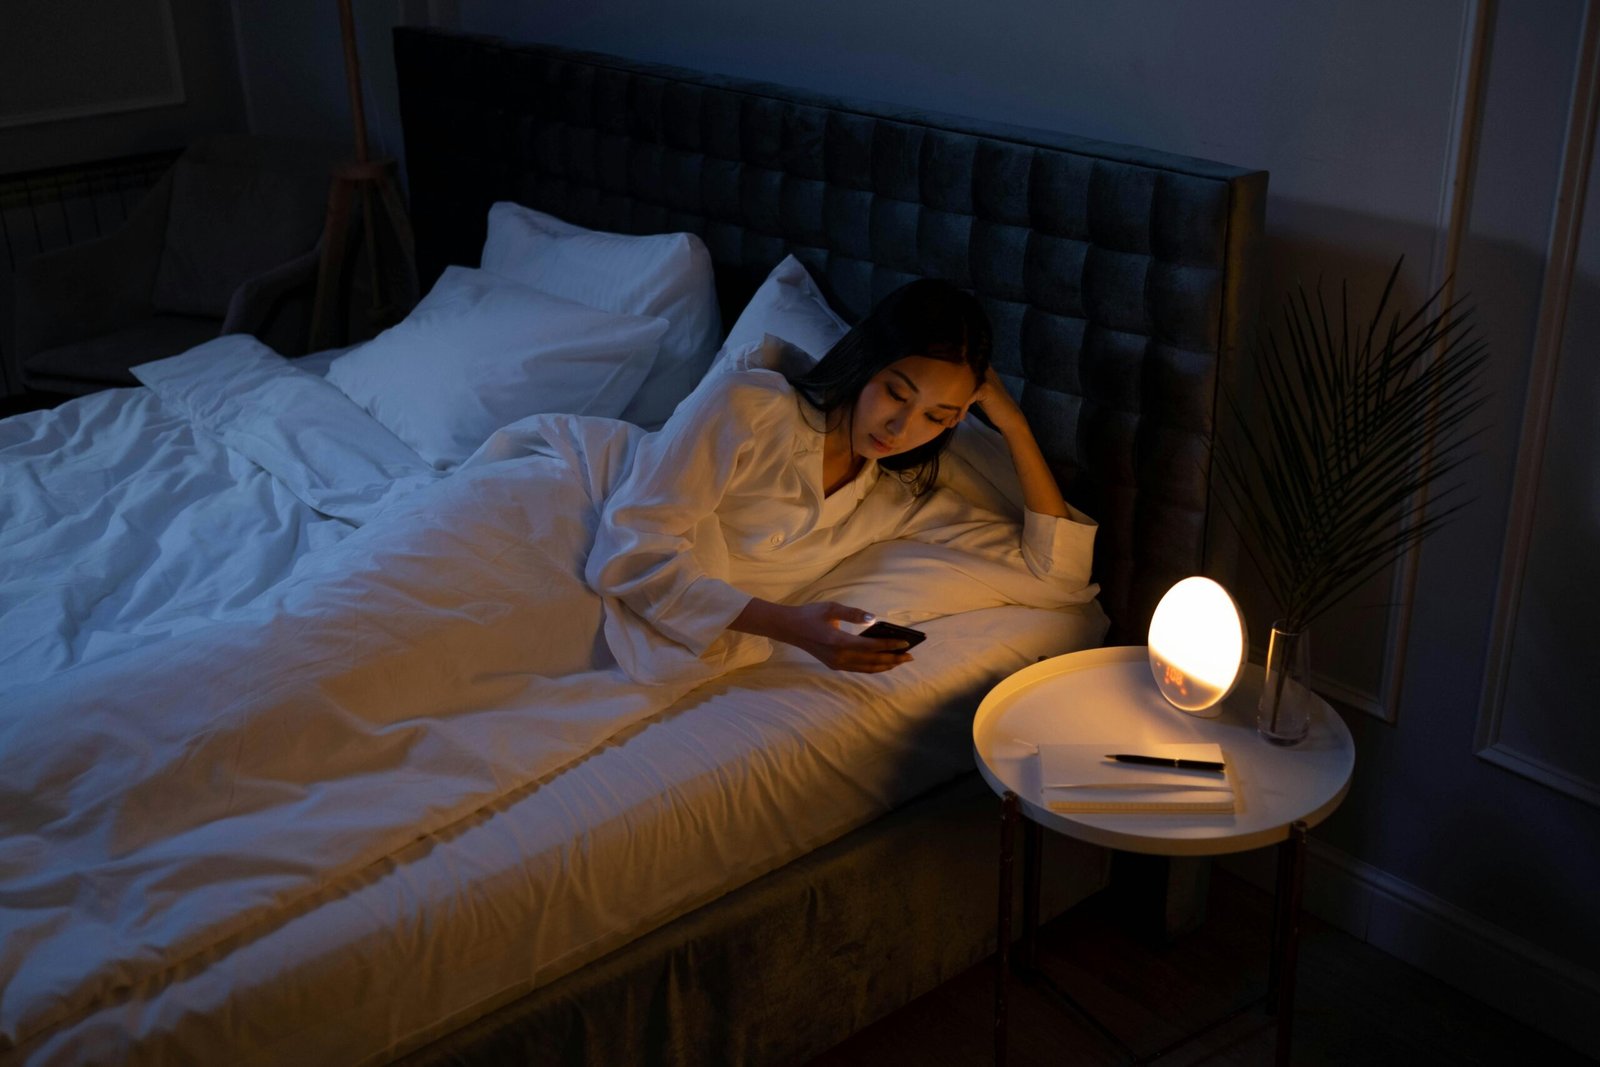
{"points": [[927, 317]]}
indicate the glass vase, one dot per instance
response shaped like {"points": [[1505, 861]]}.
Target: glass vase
{"points": [[1283, 713]]}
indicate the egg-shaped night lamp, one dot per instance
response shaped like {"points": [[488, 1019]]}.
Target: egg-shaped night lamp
{"points": [[1198, 645]]}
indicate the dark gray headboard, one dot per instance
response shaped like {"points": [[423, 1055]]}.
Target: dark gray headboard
{"points": [[1119, 280]]}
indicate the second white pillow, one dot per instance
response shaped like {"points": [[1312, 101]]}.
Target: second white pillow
{"points": [[665, 275], [787, 305], [480, 351]]}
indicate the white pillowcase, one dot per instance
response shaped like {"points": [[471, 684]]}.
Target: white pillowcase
{"points": [[789, 306], [909, 582], [663, 275], [480, 351]]}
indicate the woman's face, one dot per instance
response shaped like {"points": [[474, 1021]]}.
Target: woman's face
{"points": [[909, 403]]}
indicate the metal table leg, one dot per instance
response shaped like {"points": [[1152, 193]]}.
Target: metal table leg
{"points": [[1008, 826], [1032, 863], [1286, 935], [1032, 847]]}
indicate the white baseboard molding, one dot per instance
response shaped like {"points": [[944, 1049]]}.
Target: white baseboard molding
{"points": [[1532, 985]]}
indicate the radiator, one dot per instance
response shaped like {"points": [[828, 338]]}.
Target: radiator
{"points": [[44, 210]]}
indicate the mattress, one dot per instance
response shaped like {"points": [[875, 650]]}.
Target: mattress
{"points": [[742, 775]]}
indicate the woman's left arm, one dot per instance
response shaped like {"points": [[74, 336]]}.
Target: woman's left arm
{"points": [[1044, 560], [1039, 490]]}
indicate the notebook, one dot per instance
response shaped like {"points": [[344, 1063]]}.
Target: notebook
{"points": [[1079, 778]]}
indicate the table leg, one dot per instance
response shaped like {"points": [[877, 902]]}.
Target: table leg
{"points": [[1032, 848], [1286, 935], [1008, 827]]}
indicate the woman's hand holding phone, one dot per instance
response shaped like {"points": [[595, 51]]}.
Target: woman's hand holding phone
{"points": [[816, 629], [881, 629]]}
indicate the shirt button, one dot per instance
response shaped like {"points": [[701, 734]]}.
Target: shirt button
{"points": [[777, 539]]}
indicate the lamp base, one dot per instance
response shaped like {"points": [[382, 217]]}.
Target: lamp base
{"points": [[1183, 690]]}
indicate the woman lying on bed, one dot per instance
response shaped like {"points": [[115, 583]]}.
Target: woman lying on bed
{"points": [[761, 482], [495, 628]]}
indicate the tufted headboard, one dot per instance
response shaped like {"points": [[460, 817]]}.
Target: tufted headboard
{"points": [[1119, 280]]}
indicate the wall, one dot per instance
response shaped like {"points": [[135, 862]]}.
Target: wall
{"points": [[211, 102], [1442, 130], [291, 60], [55, 187]]}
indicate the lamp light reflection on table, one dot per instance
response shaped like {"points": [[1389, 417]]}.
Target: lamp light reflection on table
{"points": [[1197, 644]]}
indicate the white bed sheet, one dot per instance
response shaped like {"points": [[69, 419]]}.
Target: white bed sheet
{"points": [[742, 775]]}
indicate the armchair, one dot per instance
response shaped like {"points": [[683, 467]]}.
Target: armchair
{"points": [[227, 241]]}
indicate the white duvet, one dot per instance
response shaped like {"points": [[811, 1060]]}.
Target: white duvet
{"points": [[133, 514], [382, 663], [378, 693]]}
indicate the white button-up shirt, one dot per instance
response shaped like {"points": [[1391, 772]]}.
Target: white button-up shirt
{"points": [[726, 502]]}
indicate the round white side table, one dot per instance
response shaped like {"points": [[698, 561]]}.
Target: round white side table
{"points": [[1106, 695]]}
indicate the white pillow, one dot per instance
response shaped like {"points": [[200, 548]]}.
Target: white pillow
{"points": [[480, 351], [665, 275], [909, 582], [788, 305]]}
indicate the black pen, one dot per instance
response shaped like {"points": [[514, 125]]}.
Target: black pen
{"points": [[1168, 761]]}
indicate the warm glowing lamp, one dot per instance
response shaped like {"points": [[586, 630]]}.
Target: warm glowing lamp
{"points": [[1197, 644]]}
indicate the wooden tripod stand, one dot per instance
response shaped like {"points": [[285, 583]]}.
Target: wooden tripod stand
{"points": [[387, 243]]}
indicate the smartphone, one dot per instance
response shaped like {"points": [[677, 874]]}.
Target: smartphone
{"points": [[911, 637]]}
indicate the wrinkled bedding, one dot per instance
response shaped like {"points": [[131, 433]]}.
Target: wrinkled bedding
{"points": [[165, 508], [378, 692], [734, 779], [314, 653]]}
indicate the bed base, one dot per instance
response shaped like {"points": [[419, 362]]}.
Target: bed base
{"points": [[789, 965]]}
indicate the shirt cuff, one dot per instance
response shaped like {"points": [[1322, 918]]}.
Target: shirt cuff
{"points": [[701, 614], [1059, 548]]}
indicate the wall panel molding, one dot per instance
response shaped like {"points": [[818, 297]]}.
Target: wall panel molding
{"points": [[1455, 202], [60, 87], [1349, 695], [1560, 267], [1547, 992]]}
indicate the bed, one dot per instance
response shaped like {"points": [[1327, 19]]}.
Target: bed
{"points": [[658, 882]]}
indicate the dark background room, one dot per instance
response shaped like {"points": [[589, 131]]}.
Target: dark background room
{"points": [[1464, 863]]}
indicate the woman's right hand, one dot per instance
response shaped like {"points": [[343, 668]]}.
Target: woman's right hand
{"points": [[815, 629], [998, 404]]}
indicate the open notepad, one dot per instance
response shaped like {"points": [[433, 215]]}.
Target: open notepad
{"points": [[1080, 778]]}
